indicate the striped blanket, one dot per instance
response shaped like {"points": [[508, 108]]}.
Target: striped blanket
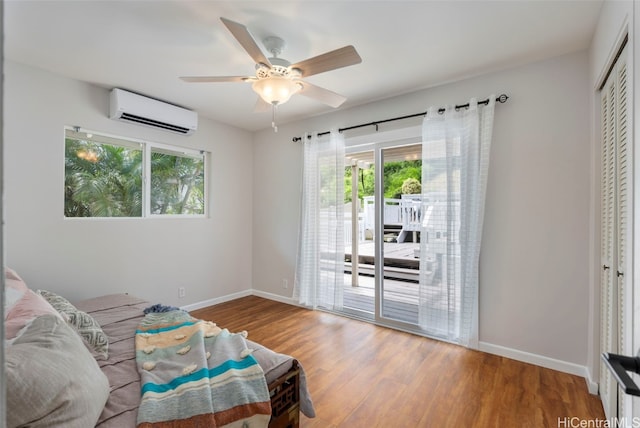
{"points": [[195, 374]]}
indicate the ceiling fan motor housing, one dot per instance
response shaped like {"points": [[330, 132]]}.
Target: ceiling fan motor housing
{"points": [[279, 68]]}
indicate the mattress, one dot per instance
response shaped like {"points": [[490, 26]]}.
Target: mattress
{"points": [[119, 315]]}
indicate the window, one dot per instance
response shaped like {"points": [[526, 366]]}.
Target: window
{"points": [[177, 183], [107, 177]]}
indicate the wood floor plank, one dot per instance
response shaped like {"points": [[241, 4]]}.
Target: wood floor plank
{"points": [[364, 375], [379, 406]]}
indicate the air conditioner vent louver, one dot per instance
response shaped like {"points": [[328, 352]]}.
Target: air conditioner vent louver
{"points": [[133, 108], [154, 123]]}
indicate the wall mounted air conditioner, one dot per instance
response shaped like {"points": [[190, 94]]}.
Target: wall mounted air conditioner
{"points": [[133, 108]]}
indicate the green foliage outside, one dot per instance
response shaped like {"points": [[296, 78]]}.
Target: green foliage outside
{"points": [[395, 174], [177, 184], [365, 183], [103, 180], [411, 186]]}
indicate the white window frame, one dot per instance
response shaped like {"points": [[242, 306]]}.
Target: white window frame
{"points": [[146, 147], [146, 174]]}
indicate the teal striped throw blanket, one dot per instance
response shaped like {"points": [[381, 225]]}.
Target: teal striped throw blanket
{"points": [[194, 374]]}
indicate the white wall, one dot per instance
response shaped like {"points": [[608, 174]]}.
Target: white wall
{"points": [[534, 289], [83, 258]]}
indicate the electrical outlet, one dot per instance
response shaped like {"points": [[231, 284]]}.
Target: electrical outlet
{"points": [[181, 292], [285, 284]]}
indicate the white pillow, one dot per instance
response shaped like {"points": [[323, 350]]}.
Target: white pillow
{"points": [[11, 297], [14, 289], [52, 379]]}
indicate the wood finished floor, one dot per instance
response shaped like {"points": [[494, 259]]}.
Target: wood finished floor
{"points": [[362, 375]]}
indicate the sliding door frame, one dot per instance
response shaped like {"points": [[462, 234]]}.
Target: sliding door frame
{"points": [[377, 143]]}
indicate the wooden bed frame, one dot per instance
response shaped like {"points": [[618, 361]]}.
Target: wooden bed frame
{"points": [[285, 399]]}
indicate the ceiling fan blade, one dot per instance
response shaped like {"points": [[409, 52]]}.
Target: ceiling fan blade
{"points": [[246, 40], [338, 58], [213, 79], [261, 106], [323, 95]]}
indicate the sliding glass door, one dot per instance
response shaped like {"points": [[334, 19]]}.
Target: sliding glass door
{"points": [[360, 239], [400, 232], [382, 211]]}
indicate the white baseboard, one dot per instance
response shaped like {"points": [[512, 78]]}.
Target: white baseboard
{"points": [[591, 384], [276, 297], [539, 360], [245, 293], [216, 300]]}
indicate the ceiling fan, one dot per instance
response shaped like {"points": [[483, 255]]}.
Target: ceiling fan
{"points": [[276, 79]]}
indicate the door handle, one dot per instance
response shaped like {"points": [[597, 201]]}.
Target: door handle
{"points": [[619, 273], [618, 365], [605, 267]]}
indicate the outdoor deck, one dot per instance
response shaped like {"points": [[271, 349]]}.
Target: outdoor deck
{"points": [[400, 298], [400, 285], [398, 254]]}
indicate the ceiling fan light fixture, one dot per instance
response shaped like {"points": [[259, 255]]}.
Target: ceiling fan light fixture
{"points": [[276, 90]]}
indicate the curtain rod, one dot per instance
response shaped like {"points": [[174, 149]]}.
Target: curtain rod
{"points": [[501, 99]]}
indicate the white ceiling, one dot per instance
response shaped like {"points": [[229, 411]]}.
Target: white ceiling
{"points": [[144, 45]]}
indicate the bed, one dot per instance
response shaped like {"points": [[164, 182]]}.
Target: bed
{"points": [[113, 367], [120, 314]]}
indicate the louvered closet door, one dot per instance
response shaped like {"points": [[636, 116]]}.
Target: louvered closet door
{"points": [[622, 216], [615, 206], [607, 341]]}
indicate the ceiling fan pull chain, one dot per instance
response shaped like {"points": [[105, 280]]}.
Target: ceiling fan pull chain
{"points": [[273, 117]]}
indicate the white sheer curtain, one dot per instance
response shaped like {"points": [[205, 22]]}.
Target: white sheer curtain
{"points": [[319, 276], [455, 162]]}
